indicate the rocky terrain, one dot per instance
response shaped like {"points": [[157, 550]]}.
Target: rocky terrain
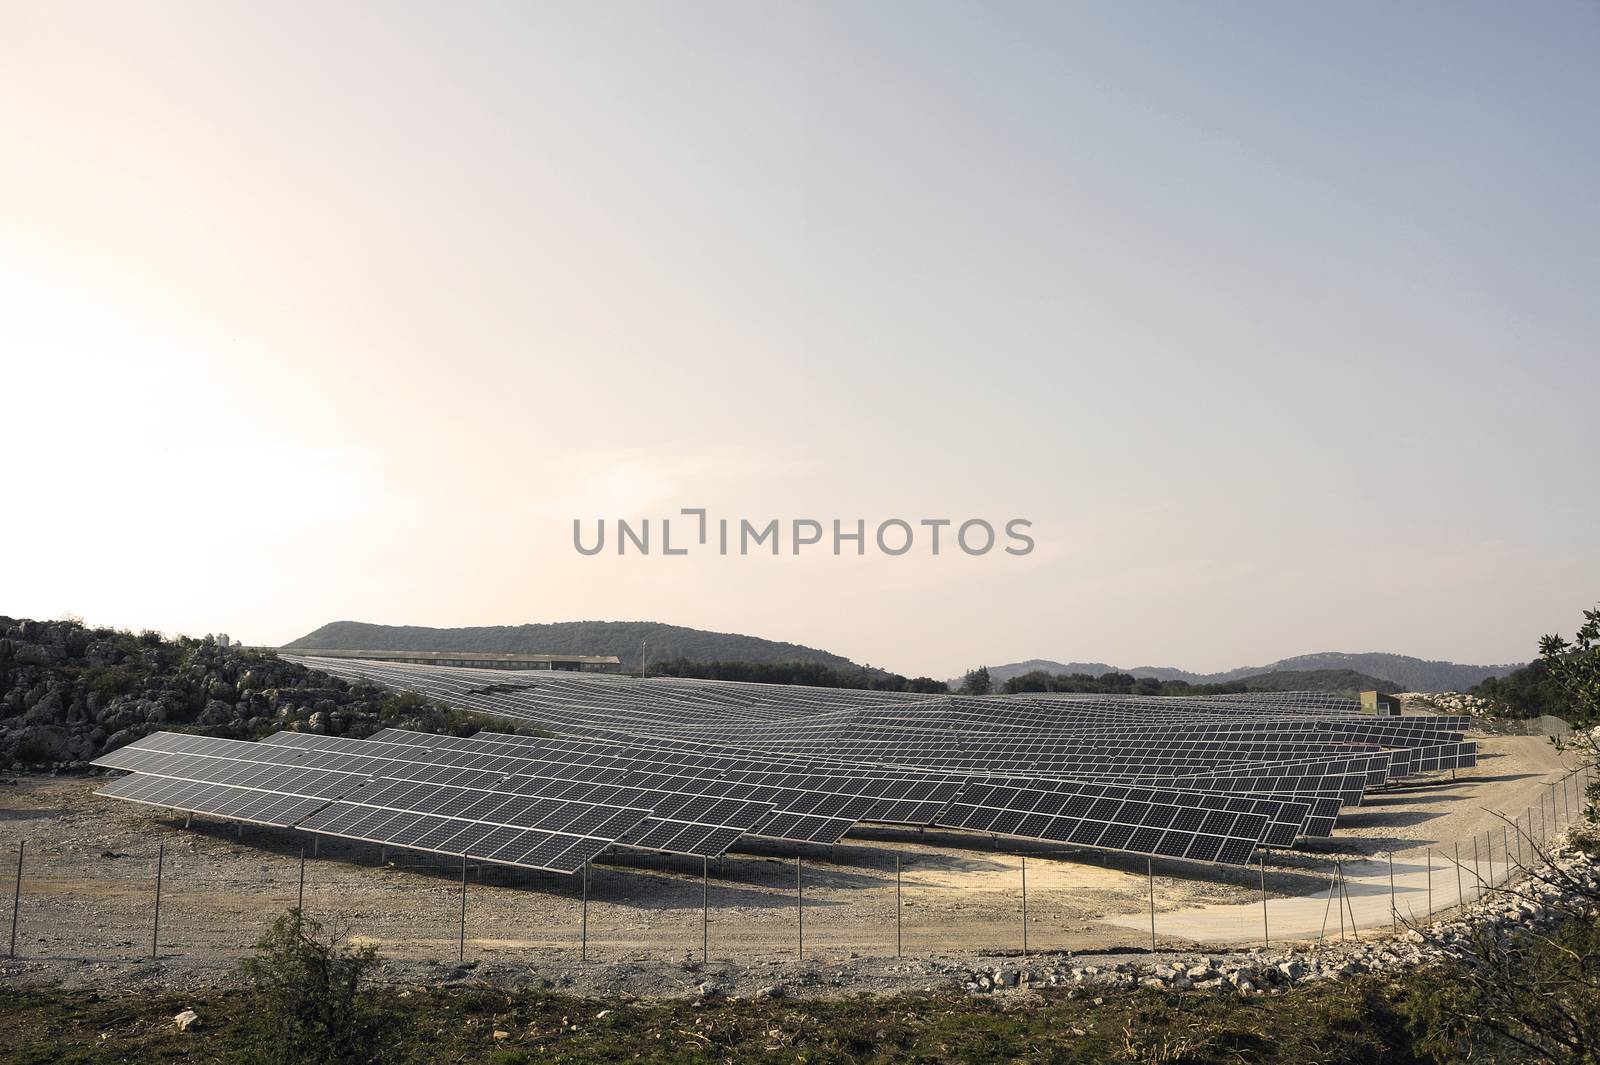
{"points": [[1453, 703], [69, 692], [1527, 907]]}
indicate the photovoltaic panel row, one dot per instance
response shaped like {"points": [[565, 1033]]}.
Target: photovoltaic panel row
{"points": [[533, 828], [260, 776], [1143, 828], [1288, 818], [530, 848], [216, 800], [819, 794], [678, 822]]}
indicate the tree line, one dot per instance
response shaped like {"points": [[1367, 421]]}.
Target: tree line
{"points": [[812, 674]]}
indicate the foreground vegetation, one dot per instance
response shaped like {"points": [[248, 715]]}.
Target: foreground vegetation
{"points": [[1351, 1023]]}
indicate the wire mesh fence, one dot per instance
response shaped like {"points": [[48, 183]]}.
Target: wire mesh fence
{"points": [[214, 890]]}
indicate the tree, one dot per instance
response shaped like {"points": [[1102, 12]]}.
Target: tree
{"points": [[1531, 993], [976, 682], [1575, 667]]}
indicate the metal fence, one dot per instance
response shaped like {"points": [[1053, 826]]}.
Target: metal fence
{"points": [[213, 891]]}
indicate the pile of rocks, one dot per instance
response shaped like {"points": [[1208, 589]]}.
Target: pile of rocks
{"points": [[1452, 703], [1254, 972]]}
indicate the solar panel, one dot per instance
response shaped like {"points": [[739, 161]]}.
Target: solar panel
{"points": [[691, 767]]}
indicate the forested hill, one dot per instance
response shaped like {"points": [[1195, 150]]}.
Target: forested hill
{"points": [[625, 639], [1334, 681], [1403, 671]]}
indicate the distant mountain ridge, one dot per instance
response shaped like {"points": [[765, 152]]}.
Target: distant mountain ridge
{"points": [[1408, 673], [660, 642]]}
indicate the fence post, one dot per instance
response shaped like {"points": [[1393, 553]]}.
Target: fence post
{"points": [[1348, 905], [300, 902], [1505, 845], [1339, 866], [1477, 872], [461, 938], [1024, 907], [1327, 907], [155, 928], [1266, 928], [1461, 896], [16, 898], [1430, 881], [1149, 865], [705, 909], [799, 911], [1394, 911], [583, 946], [897, 905]]}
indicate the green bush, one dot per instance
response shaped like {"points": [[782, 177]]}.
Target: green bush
{"points": [[308, 1000]]}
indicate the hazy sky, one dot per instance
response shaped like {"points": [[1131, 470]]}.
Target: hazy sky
{"points": [[1278, 320]]}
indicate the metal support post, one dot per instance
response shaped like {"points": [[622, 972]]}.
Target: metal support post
{"points": [[155, 927], [1024, 907], [1394, 911], [16, 898], [461, 941], [1150, 868], [1266, 928], [799, 911], [897, 907]]}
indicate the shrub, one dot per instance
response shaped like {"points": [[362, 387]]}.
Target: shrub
{"points": [[309, 1001]]}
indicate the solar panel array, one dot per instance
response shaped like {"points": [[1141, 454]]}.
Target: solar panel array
{"points": [[692, 767]]}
